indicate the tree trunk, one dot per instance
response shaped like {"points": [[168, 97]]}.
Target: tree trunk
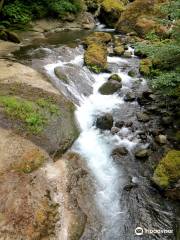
{"points": [[1, 4]]}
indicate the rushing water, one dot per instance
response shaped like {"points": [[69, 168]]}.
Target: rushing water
{"points": [[119, 211]]}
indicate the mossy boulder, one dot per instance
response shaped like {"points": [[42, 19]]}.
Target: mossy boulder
{"points": [[167, 171], [95, 57], [110, 11], [145, 66], [99, 38], [141, 17], [110, 87]]}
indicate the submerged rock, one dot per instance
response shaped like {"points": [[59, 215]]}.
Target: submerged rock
{"points": [[105, 122], [168, 170]]}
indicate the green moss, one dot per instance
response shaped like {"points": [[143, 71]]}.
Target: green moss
{"points": [[145, 66], [96, 57], [98, 37], [32, 114], [168, 170], [111, 5]]}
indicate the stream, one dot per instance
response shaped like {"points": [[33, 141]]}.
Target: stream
{"points": [[121, 198]]}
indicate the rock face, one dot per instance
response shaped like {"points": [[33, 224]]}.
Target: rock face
{"points": [[110, 11], [168, 170], [105, 122]]}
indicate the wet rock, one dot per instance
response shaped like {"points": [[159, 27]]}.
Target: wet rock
{"points": [[127, 55], [105, 122], [142, 153], [59, 73], [119, 151], [132, 73], [168, 169], [119, 124], [130, 186], [174, 193], [110, 87], [88, 21], [142, 117], [129, 97], [115, 77], [114, 130], [161, 139], [9, 36], [129, 124]]}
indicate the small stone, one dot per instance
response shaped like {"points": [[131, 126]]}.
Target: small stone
{"points": [[142, 117], [120, 151], [105, 122], [119, 124], [114, 130], [161, 139], [142, 153]]}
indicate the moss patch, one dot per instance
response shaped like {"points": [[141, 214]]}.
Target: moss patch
{"points": [[32, 114], [145, 66], [168, 170], [98, 37], [96, 57]]}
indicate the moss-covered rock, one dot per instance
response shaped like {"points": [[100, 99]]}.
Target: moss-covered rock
{"points": [[111, 11], [145, 66], [119, 50], [141, 17], [115, 77], [95, 57], [168, 170], [99, 38], [110, 87]]}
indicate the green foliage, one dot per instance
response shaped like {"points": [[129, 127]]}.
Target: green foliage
{"points": [[152, 36], [33, 115], [22, 12]]}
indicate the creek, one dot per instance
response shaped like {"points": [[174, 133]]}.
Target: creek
{"points": [[122, 197]]}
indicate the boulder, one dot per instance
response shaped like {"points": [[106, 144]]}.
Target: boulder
{"points": [[98, 38], [110, 87], [95, 57], [105, 122], [142, 117], [161, 139], [127, 54], [13, 37], [129, 97], [167, 171], [110, 11], [119, 151], [142, 153], [132, 73]]}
